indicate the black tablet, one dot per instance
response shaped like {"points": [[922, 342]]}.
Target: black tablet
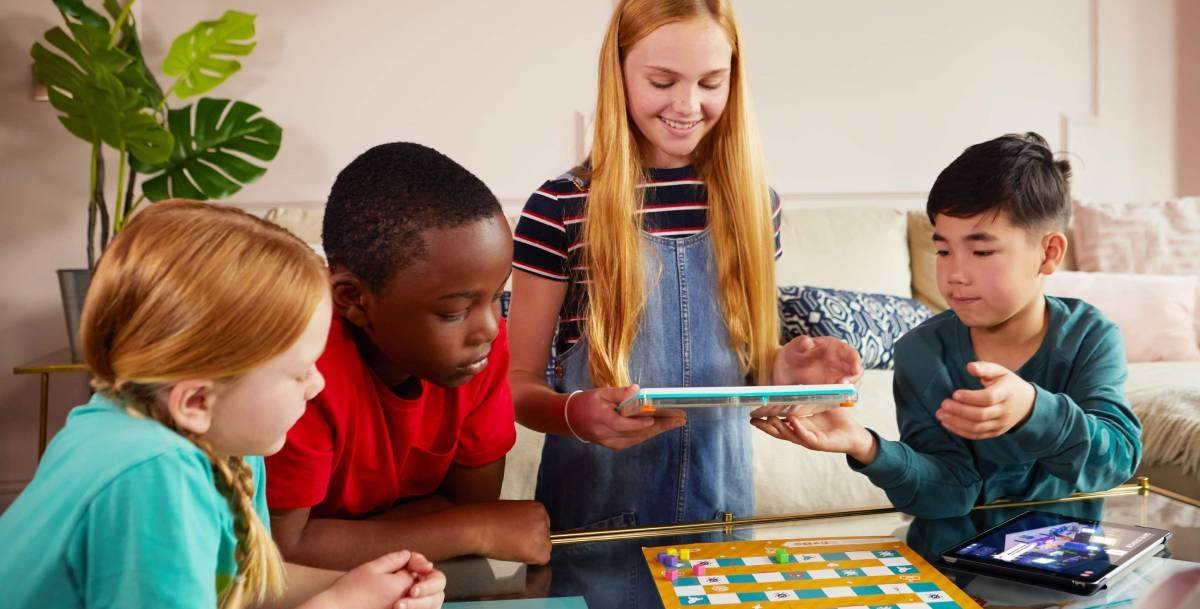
{"points": [[1041, 548]]}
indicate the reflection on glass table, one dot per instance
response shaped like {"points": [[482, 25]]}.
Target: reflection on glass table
{"points": [[608, 570]]}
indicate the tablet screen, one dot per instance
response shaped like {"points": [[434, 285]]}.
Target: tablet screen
{"points": [[1076, 548]]}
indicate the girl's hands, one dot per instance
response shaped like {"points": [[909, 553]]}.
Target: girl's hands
{"points": [[399, 580], [822, 360], [592, 415]]}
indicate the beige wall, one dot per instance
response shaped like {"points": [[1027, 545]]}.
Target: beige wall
{"points": [[1187, 82], [860, 102]]}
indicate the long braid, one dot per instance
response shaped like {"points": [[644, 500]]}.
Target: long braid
{"points": [[260, 570], [260, 566]]}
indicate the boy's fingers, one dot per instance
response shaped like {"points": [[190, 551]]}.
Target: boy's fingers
{"points": [[986, 370], [764, 427], [977, 397]]}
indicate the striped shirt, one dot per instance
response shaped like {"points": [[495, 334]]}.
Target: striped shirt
{"points": [[548, 240]]}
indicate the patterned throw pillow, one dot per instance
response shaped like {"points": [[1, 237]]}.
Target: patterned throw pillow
{"points": [[871, 323]]}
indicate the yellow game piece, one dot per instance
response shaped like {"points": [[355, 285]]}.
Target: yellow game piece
{"points": [[685, 555], [672, 552]]}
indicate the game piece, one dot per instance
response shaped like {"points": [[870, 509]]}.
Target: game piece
{"points": [[673, 552], [671, 562], [662, 557], [869, 572], [685, 555]]}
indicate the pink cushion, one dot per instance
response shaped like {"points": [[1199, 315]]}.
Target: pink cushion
{"points": [[1156, 313], [1161, 237]]}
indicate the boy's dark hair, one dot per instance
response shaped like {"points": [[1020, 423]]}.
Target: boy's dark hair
{"points": [[1015, 174], [383, 200]]}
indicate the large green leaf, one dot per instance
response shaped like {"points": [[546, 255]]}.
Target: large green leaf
{"points": [[139, 74], [77, 10], [201, 164], [89, 84], [201, 56]]}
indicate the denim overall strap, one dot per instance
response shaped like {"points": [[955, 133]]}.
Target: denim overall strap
{"points": [[696, 472]]}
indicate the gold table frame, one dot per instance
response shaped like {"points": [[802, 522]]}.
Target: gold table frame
{"points": [[1141, 486], [45, 366]]}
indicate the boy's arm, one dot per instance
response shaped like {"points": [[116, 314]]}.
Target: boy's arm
{"points": [[473, 484], [930, 473], [498, 529], [1091, 440]]}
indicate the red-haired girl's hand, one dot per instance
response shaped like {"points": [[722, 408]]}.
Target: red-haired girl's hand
{"points": [[428, 589], [383, 583]]}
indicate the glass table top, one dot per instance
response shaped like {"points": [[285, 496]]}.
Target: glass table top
{"points": [[608, 570]]}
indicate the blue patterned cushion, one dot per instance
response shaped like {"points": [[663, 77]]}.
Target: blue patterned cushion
{"points": [[871, 323]]}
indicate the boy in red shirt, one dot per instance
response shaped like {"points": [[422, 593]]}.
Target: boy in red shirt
{"points": [[405, 447]]}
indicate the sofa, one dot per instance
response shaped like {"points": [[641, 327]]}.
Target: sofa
{"points": [[878, 250]]}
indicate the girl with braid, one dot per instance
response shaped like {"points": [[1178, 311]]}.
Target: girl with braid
{"points": [[201, 329]]}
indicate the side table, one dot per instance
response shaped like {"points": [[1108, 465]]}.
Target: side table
{"points": [[59, 361]]}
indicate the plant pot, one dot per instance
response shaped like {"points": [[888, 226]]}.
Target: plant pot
{"points": [[73, 283]]}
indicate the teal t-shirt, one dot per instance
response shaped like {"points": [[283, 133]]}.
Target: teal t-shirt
{"points": [[122, 512], [1081, 435]]}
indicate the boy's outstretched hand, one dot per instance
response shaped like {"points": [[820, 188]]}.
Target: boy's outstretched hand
{"points": [[822, 360], [832, 431], [1005, 402]]}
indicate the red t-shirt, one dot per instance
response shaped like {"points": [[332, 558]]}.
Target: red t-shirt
{"points": [[359, 448]]}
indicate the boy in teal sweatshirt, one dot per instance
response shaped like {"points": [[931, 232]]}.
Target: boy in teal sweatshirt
{"points": [[1010, 394]]}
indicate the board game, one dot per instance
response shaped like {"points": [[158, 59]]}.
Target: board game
{"points": [[843, 573]]}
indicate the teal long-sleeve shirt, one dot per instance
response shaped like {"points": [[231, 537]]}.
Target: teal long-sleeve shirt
{"points": [[1080, 436]]}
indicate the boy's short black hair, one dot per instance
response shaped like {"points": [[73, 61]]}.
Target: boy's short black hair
{"points": [[1015, 174], [383, 200]]}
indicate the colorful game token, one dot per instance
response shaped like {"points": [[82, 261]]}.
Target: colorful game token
{"points": [[671, 574], [662, 557], [781, 556], [699, 570], [673, 552], [672, 562], [685, 555]]}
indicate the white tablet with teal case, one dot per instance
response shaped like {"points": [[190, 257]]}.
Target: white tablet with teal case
{"points": [[763, 401]]}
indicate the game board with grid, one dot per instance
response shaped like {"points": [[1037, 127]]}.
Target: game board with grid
{"points": [[846, 573]]}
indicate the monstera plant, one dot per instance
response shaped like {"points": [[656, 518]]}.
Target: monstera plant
{"points": [[100, 83]]}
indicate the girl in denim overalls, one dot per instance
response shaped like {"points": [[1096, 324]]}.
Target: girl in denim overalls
{"points": [[654, 310]]}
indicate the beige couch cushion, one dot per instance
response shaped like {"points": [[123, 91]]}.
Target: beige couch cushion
{"points": [[302, 222], [864, 249], [924, 262]]}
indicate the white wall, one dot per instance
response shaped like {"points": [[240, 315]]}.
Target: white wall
{"points": [[860, 102]]}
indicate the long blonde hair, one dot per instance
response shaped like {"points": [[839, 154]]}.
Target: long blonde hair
{"points": [[191, 290], [729, 161]]}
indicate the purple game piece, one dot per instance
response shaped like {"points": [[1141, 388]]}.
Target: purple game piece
{"points": [[662, 557], [672, 562]]}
